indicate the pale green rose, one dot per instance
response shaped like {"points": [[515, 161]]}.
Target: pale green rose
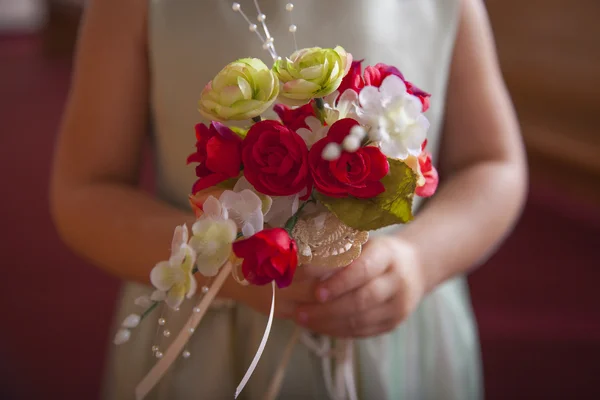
{"points": [[312, 73], [242, 90]]}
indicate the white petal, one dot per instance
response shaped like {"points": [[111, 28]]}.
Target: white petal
{"points": [[370, 100], [282, 209], [256, 221], [175, 296], [330, 98], [391, 88], [307, 136], [190, 259], [179, 237], [212, 208], [229, 199], [122, 336], [251, 200], [347, 103], [313, 123], [177, 258], [193, 287], [295, 203], [158, 295], [242, 184], [313, 72], [143, 301], [131, 321], [248, 230], [412, 106], [162, 276], [416, 135], [394, 149]]}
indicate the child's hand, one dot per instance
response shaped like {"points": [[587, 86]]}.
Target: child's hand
{"points": [[301, 291], [369, 297]]}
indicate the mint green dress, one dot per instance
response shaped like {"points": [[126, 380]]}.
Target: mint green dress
{"points": [[434, 354]]}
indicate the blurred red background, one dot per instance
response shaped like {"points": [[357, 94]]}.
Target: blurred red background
{"points": [[536, 299]]}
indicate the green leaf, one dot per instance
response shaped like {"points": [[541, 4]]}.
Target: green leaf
{"points": [[394, 206]]}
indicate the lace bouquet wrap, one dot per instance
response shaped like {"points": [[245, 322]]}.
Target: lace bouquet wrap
{"points": [[347, 156]]}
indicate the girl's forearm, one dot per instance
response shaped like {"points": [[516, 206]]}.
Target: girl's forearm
{"points": [[466, 219], [121, 229]]}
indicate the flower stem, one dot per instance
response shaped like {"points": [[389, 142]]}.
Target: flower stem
{"points": [[320, 109], [257, 118], [148, 310], [291, 222], [320, 104]]}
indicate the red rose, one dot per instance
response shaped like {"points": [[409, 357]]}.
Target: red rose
{"points": [[355, 174], [294, 118], [268, 255], [275, 159], [218, 150], [375, 75], [353, 79], [429, 172]]}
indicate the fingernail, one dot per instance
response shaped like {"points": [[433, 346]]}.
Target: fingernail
{"points": [[323, 294], [302, 317]]}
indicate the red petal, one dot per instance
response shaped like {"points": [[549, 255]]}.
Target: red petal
{"points": [[223, 156], [371, 189], [431, 184], [378, 162]]}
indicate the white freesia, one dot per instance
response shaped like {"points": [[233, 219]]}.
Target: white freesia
{"points": [[277, 209], [212, 239], [180, 238], [158, 295], [243, 184], [245, 209], [212, 208], [174, 277], [345, 107], [315, 132], [395, 118]]}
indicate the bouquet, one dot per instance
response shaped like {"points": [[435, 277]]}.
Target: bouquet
{"points": [[345, 157]]}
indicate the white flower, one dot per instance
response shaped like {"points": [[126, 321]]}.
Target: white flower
{"points": [[180, 238], [245, 209], [315, 132], [212, 239], [158, 295], [131, 321], [175, 276], [243, 184], [277, 209], [395, 118], [344, 108], [212, 208], [122, 336]]}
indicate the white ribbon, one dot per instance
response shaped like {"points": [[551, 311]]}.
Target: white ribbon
{"points": [[261, 347]]}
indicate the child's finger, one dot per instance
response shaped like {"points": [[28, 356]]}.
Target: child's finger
{"points": [[373, 261]]}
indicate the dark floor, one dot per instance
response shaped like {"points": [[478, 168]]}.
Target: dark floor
{"points": [[536, 299]]}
